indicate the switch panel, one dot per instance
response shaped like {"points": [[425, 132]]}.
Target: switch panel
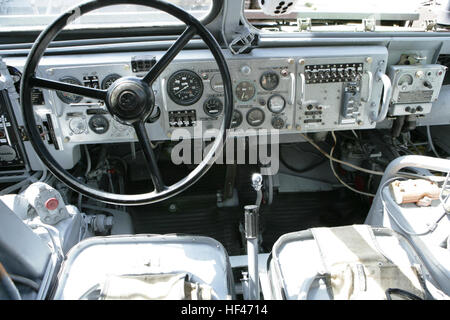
{"points": [[337, 89]]}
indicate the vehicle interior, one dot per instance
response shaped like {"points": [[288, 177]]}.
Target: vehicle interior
{"points": [[224, 149]]}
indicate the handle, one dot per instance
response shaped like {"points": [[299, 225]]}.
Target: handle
{"points": [[303, 82], [370, 83], [386, 98], [292, 98]]}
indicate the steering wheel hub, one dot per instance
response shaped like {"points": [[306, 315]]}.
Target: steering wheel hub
{"points": [[130, 99]]}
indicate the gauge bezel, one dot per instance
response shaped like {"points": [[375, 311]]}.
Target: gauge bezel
{"points": [[71, 126], [206, 110], [270, 108], [99, 116], [64, 98], [265, 74], [108, 77], [254, 90], [259, 110], [275, 119], [175, 98], [241, 117]]}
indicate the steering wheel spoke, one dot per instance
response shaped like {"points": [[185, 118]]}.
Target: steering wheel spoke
{"points": [[150, 156], [176, 47], [70, 88]]}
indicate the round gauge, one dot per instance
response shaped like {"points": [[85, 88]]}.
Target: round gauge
{"points": [[255, 117], [269, 80], [99, 124], [245, 90], [185, 87], [276, 103], [109, 80], [237, 119], [213, 107], [216, 83], [77, 125], [405, 79], [7, 153], [67, 97], [277, 123]]}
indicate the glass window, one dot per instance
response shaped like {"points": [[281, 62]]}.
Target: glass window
{"points": [[36, 14]]}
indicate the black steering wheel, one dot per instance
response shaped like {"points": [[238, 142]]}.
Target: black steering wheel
{"points": [[129, 99]]}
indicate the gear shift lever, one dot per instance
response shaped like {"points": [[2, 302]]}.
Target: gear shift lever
{"points": [[251, 234]]}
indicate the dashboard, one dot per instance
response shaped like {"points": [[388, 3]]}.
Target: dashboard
{"points": [[292, 90]]}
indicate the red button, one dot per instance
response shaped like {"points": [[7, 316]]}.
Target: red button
{"points": [[51, 204]]}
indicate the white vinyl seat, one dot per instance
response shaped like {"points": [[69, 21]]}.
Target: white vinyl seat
{"points": [[351, 262], [146, 267]]}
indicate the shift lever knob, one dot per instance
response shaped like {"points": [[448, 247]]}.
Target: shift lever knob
{"points": [[257, 181]]}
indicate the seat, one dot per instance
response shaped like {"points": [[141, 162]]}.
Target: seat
{"points": [[351, 262], [146, 267], [426, 228]]}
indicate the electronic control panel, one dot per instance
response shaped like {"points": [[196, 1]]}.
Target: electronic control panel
{"points": [[415, 88], [336, 89]]}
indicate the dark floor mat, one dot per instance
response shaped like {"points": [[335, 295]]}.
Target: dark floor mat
{"points": [[292, 212], [195, 215]]}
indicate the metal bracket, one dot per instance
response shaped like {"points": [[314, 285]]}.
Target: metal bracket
{"points": [[430, 24], [369, 24], [242, 42], [304, 24]]}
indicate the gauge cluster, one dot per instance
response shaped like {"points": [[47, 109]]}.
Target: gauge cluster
{"points": [[263, 94], [297, 90]]}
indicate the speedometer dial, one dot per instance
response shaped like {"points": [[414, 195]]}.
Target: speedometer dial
{"points": [[67, 97], [185, 87]]}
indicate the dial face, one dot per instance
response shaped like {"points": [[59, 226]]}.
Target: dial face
{"points": [[185, 87], [269, 80], [67, 97], [109, 80], [277, 122], [255, 117], [276, 103], [245, 91], [237, 119], [406, 79], [213, 107], [77, 125], [99, 124], [216, 82]]}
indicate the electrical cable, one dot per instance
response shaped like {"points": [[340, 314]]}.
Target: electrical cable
{"points": [[25, 281], [379, 173], [430, 142], [20, 184], [88, 169], [8, 285], [336, 175]]}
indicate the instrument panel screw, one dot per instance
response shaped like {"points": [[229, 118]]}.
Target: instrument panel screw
{"points": [[66, 139], [369, 59]]}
